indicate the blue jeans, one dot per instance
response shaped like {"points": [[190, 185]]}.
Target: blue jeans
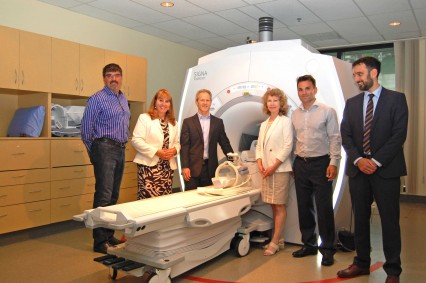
{"points": [[108, 165]]}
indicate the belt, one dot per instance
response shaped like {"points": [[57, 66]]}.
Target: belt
{"points": [[310, 159], [368, 156], [111, 142]]}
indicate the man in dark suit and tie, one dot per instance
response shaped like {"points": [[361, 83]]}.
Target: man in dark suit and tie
{"points": [[373, 129], [200, 135]]}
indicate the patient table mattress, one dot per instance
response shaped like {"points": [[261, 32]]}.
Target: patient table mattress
{"points": [[190, 209]]}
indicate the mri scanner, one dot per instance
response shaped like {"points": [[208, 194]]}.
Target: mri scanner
{"points": [[174, 233], [238, 77]]}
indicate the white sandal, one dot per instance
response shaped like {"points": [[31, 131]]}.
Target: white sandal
{"points": [[281, 244], [272, 249]]}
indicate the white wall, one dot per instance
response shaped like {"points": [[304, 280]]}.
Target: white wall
{"points": [[167, 61]]}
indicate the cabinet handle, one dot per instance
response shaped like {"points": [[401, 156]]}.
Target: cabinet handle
{"points": [[3, 215], [35, 210], [76, 84], [23, 78], [65, 188], [63, 205], [82, 85], [2, 196], [16, 76], [17, 177], [33, 192], [19, 153], [78, 151]]}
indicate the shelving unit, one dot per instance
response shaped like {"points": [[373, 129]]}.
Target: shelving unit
{"points": [[49, 179]]}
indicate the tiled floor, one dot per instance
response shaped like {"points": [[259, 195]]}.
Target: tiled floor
{"points": [[63, 253]]}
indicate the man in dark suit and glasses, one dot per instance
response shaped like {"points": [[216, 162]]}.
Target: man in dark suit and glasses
{"points": [[374, 129], [199, 138]]}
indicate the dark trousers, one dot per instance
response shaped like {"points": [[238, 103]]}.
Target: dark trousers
{"points": [[201, 181], [108, 165], [312, 185], [364, 189]]}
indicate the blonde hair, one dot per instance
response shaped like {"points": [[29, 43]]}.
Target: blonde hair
{"points": [[281, 96]]}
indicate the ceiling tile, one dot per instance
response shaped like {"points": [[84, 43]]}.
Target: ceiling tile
{"points": [[418, 4], [184, 29], [215, 24], [421, 18], [331, 43], [241, 19], [377, 7], [333, 9], [254, 12], [402, 35], [132, 10], [406, 18], [228, 22], [346, 28], [218, 5], [288, 12], [181, 9], [105, 16], [310, 28]]}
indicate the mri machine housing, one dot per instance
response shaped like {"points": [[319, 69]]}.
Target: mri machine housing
{"points": [[239, 76]]}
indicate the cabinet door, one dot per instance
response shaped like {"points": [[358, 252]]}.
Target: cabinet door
{"points": [[9, 57], [35, 61], [136, 78], [65, 66], [92, 61]]}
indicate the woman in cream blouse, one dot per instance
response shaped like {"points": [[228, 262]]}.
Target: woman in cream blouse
{"points": [[156, 141], [273, 155]]}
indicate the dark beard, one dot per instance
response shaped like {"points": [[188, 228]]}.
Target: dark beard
{"points": [[366, 85]]}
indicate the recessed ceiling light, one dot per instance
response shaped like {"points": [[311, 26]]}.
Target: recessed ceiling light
{"points": [[167, 4], [394, 24]]}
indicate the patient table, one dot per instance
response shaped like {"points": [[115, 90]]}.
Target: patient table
{"points": [[174, 233]]}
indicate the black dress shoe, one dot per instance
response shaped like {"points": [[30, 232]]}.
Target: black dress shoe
{"points": [[353, 271], [102, 248], [327, 260], [305, 251], [114, 241]]}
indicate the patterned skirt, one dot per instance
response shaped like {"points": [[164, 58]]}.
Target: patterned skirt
{"points": [[154, 181]]}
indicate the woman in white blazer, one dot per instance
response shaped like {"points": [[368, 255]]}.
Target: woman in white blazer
{"points": [[273, 156], [156, 141]]}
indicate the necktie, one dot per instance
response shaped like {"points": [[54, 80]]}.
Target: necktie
{"points": [[367, 125]]}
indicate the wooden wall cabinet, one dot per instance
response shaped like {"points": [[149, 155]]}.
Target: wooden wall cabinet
{"points": [[26, 60], [76, 68], [50, 179]]}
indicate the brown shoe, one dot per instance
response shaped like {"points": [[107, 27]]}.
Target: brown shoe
{"points": [[353, 271], [392, 279]]}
